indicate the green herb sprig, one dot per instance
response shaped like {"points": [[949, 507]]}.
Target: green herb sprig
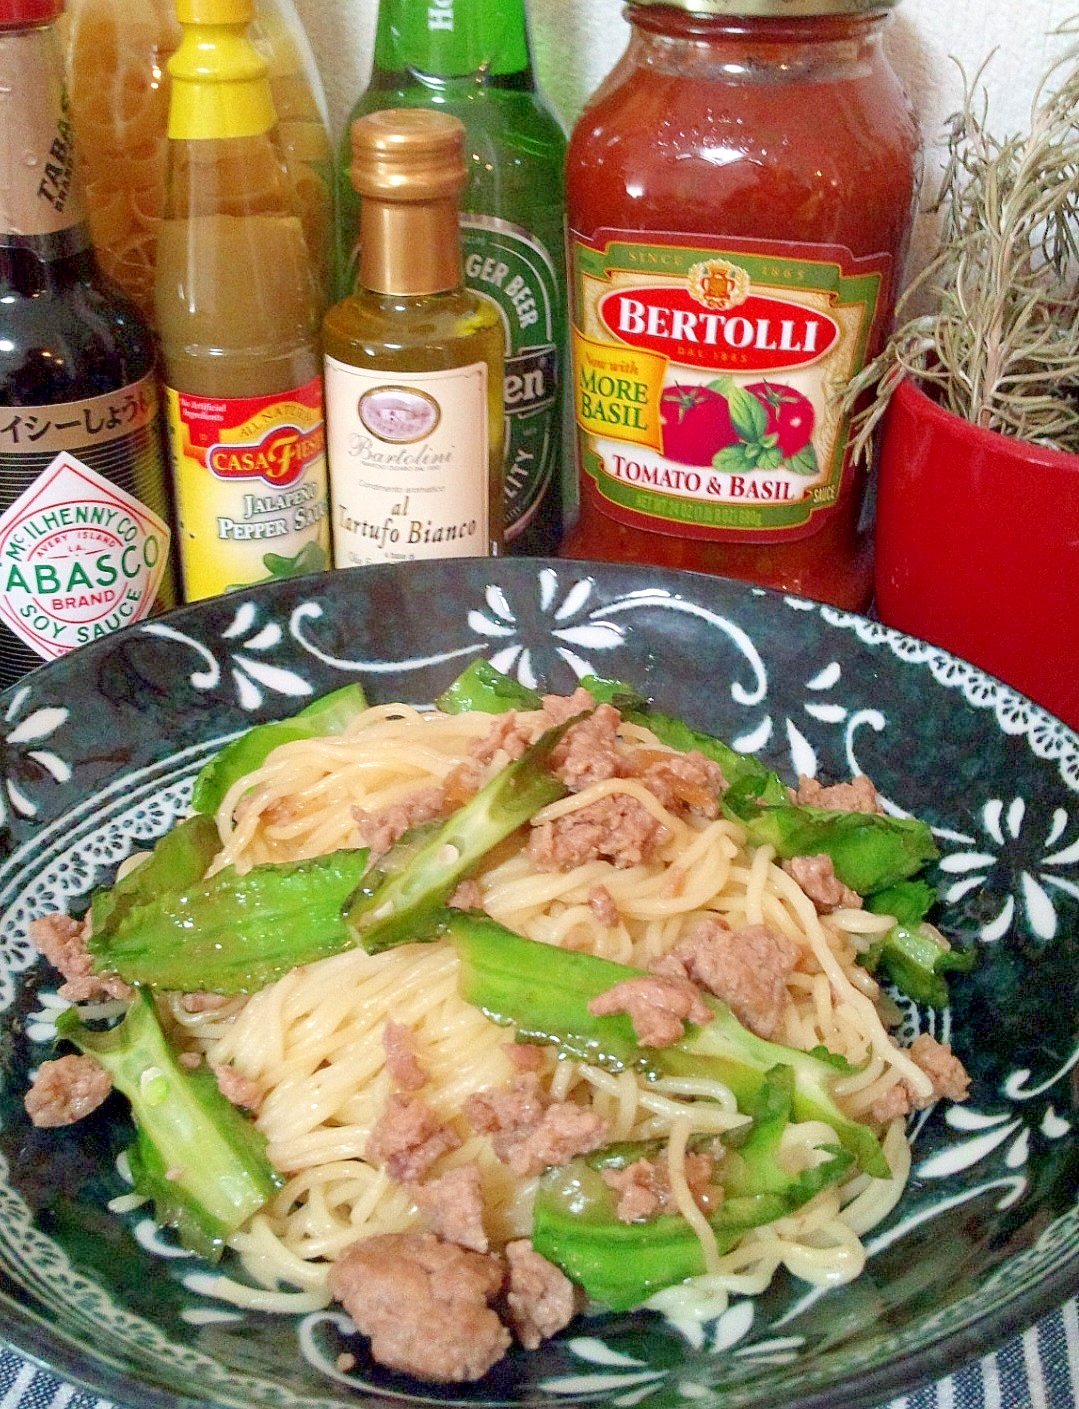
{"points": [[1000, 346]]}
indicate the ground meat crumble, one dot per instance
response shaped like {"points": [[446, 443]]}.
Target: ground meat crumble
{"points": [[616, 828], [657, 1005], [644, 1187], [63, 942], [430, 1307], [409, 1137], [453, 1205], [65, 1090], [529, 1132], [950, 1079], [406, 1071], [747, 968], [424, 1303], [816, 876], [859, 795], [540, 1298], [241, 1090]]}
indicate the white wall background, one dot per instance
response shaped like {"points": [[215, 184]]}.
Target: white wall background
{"points": [[575, 42]]}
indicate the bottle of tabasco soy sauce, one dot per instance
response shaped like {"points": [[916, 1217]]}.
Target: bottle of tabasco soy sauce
{"points": [[237, 307], [84, 523], [472, 58], [739, 194]]}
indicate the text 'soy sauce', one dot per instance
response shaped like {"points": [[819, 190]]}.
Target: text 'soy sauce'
{"points": [[739, 192]]}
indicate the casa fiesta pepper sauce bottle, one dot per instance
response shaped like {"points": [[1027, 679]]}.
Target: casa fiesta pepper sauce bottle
{"points": [[237, 307], [739, 194]]}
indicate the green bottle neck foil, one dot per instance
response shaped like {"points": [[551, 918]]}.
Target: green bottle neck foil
{"points": [[452, 38]]}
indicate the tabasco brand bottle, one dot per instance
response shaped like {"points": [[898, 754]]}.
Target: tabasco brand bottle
{"points": [[237, 308], [731, 270], [471, 58], [84, 530]]}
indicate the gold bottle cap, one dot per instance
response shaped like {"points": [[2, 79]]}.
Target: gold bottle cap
{"points": [[408, 154]]}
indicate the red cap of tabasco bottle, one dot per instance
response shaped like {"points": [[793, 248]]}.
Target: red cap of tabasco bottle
{"points": [[20, 14]]}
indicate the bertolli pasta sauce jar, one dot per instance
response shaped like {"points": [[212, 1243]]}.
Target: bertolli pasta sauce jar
{"points": [[740, 191]]}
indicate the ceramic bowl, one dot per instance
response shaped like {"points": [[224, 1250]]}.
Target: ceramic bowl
{"points": [[97, 756]]}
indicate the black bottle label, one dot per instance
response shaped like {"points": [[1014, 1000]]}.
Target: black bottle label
{"points": [[84, 536], [512, 267]]}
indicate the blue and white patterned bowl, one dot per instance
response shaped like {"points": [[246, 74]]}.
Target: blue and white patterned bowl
{"points": [[97, 754]]}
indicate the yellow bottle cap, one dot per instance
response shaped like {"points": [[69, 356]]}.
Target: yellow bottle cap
{"points": [[215, 11], [220, 87]]}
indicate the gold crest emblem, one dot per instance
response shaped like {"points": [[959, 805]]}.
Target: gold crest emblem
{"points": [[717, 283]]}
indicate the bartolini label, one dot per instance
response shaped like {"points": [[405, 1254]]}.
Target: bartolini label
{"points": [[410, 473], [705, 379], [250, 477]]}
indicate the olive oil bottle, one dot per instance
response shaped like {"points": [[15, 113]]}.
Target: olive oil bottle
{"points": [[413, 360], [472, 58]]}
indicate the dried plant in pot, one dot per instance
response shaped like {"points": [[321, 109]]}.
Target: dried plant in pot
{"points": [[976, 400]]}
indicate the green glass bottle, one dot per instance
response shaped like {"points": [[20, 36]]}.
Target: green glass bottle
{"points": [[471, 58]]}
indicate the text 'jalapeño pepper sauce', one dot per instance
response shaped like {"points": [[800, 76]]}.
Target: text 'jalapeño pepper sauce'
{"points": [[740, 192]]}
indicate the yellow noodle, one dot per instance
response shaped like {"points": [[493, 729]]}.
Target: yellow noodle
{"points": [[684, 1201], [314, 1040]]}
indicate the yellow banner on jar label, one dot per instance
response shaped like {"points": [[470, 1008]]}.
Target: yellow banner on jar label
{"points": [[616, 390]]}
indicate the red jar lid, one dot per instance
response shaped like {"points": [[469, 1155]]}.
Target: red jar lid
{"points": [[14, 14]]}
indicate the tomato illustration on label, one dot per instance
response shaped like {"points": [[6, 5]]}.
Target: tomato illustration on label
{"points": [[789, 413], [766, 425], [696, 424]]}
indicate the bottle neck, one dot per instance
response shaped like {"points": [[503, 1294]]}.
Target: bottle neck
{"points": [[774, 38], [409, 248], [41, 206], [453, 38], [220, 87]]}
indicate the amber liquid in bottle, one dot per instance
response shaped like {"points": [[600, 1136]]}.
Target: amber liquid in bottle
{"points": [[237, 307], [472, 58], [413, 360]]}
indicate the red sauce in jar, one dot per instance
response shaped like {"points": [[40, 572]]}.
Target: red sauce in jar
{"points": [[739, 193]]}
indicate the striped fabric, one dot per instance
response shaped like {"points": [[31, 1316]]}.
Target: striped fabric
{"points": [[1039, 1370]]}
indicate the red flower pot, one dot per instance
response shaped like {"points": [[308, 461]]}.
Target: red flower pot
{"points": [[977, 547]]}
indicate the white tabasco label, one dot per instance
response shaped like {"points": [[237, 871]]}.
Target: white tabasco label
{"points": [[79, 558], [409, 463]]}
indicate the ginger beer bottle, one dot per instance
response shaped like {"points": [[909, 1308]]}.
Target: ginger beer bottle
{"points": [[471, 58]]}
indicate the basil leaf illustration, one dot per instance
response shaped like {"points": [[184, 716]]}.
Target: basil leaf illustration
{"points": [[722, 384], [770, 457], [748, 416], [804, 463], [733, 459]]}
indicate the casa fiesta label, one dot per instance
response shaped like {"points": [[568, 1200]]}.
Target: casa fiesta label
{"points": [[280, 457], [759, 334]]}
